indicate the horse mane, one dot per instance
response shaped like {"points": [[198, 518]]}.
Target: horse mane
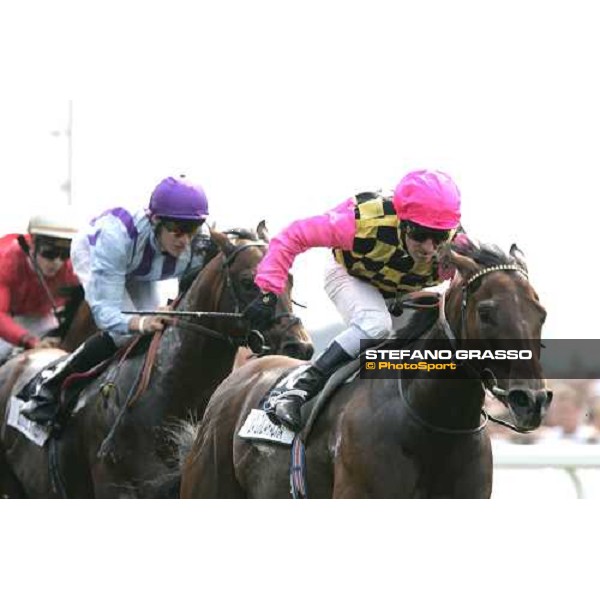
{"points": [[242, 233], [75, 296], [236, 234], [486, 255], [419, 323]]}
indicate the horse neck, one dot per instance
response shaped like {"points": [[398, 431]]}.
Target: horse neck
{"points": [[206, 290], [194, 363], [452, 403], [79, 329]]}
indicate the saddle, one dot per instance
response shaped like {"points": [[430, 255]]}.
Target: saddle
{"points": [[258, 426], [70, 388], [74, 383]]}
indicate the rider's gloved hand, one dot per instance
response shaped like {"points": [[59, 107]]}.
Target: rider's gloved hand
{"points": [[396, 309], [260, 312], [48, 342]]}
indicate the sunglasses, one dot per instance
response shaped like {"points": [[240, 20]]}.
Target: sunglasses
{"points": [[180, 228], [420, 234], [54, 253]]}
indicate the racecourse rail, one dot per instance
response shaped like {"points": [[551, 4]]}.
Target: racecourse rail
{"points": [[571, 458]]}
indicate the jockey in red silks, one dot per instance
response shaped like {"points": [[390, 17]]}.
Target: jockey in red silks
{"points": [[383, 246], [33, 268]]}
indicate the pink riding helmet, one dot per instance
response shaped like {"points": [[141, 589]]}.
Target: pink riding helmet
{"points": [[429, 198], [178, 198]]}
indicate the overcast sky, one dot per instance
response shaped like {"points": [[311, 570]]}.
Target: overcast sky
{"points": [[282, 113]]}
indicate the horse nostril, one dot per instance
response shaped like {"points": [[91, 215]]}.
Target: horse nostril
{"points": [[543, 398], [519, 398]]}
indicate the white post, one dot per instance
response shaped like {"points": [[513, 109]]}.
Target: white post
{"points": [[69, 134]]}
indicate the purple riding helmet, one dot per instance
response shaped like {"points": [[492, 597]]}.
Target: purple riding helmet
{"points": [[178, 198]]}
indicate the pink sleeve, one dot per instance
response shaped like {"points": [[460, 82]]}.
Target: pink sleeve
{"points": [[335, 229]]}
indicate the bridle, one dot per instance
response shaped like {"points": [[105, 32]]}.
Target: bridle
{"points": [[486, 377], [227, 262], [253, 338]]}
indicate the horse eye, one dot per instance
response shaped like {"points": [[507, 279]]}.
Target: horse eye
{"points": [[486, 315], [248, 285]]}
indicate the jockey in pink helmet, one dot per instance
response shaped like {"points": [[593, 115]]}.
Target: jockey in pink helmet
{"points": [[383, 246], [428, 198]]}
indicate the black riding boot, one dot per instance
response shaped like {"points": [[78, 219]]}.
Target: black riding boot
{"points": [[43, 403], [302, 384]]}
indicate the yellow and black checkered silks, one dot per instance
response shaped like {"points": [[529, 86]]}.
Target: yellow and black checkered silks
{"points": [[378, 255]]}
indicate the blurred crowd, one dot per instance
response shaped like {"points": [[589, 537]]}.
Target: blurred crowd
{"points": [[573, 416]]}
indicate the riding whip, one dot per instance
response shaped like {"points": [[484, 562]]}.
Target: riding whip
{"points": [[25, 247], [183, 313]]}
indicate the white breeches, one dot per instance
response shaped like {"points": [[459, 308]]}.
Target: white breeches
{"points": [[361, 306]]}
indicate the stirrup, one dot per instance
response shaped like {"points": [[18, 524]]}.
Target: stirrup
{"points": [[291, 394], [286, 411]]}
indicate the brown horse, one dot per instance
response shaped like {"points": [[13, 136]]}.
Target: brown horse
{"points": [[77, 323], [413, 437], [111, 447]]}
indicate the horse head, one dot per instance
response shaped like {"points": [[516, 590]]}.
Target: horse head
{"points": [[232, 272], [492, 302]]}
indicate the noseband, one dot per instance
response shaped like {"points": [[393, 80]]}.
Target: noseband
{"points": [[293, 319], [254, 338], [228, 261], [490, 382], [487, 377]]}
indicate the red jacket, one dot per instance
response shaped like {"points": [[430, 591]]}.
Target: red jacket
{"points": [[21, 293]]}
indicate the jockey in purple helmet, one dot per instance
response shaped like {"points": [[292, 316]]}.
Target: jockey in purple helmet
{"points": [[119, 258]]}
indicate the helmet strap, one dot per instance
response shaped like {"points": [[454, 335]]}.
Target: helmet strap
{"points": [[157, 227]]}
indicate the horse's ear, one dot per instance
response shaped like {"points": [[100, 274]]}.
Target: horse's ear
{"points": [[263, 232], [222, 241], [518, 255], [448, 258]]}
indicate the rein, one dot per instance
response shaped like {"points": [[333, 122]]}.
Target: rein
{"points": [[178, 316], [201, 329], [487, 378], [437, 428], [254, 339]]}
